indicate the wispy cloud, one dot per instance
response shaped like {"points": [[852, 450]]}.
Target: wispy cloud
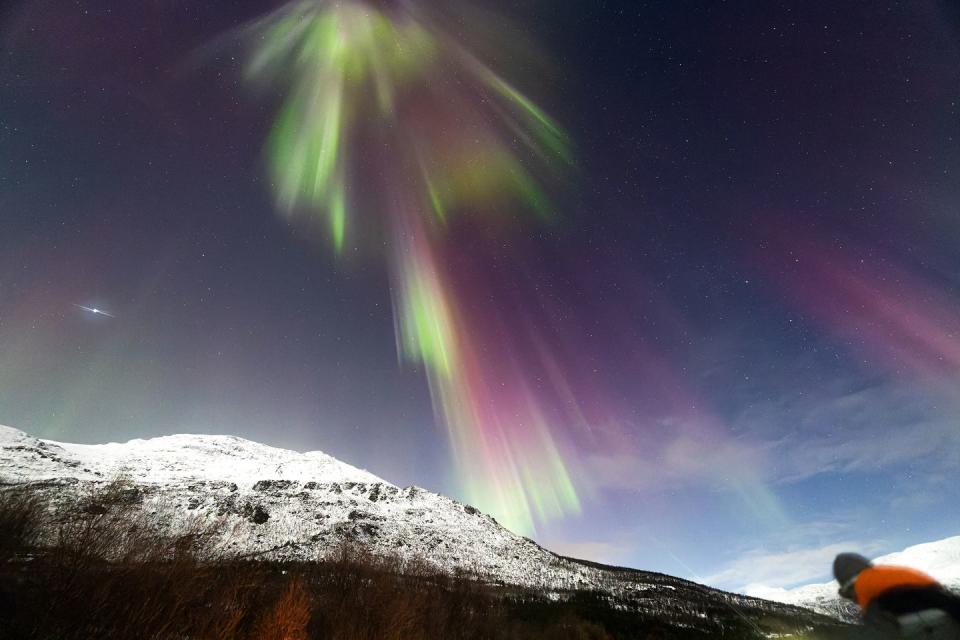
{"points": [[863, 430], [690, 457], [787, 568], [681, 458], [835, 429]]}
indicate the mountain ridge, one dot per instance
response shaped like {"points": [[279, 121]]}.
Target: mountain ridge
{"points": [[147, 453]]}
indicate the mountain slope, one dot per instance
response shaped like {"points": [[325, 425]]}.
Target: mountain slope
{"points": [[941, 559], [281, 505]]}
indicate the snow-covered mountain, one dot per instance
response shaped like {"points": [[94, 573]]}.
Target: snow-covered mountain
{"points": [[940, 559], [281, 504], [274, 504]]}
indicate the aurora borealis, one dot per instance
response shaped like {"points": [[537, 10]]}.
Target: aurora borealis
{"points": [[438, 121], [663, 286]]}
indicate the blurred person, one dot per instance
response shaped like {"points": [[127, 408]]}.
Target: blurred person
{"points": [[898, 602]]}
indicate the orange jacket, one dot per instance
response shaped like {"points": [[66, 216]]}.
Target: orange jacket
{"points": [[879, 579]]}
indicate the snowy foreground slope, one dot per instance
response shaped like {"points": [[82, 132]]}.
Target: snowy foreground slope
{"points": [[274, 504], [941, 559]]}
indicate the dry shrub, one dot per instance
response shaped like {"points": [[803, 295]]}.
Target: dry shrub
{"points": [[289, 617], [363, 597], [21, 519], [105, 572], [573, 628]]}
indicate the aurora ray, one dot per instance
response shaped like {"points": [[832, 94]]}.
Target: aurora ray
{"points": [[389, 125]]}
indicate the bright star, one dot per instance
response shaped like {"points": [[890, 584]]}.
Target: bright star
{"points": [[95, 311]]}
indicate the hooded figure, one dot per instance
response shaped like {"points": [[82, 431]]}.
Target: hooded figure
{"points": [[899, 602]]}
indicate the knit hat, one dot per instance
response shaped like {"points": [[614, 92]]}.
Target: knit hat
{"points": [[848, 566]]}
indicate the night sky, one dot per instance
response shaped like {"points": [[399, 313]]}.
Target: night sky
{"points": [[747, 293]]}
